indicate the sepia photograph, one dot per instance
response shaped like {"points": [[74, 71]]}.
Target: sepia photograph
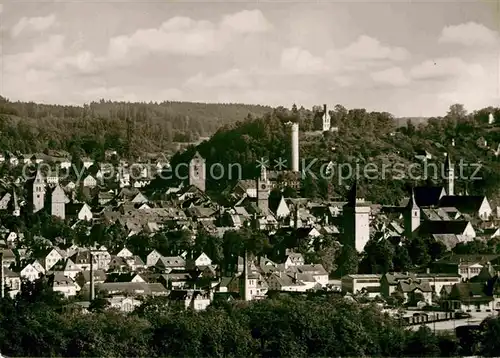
{"points": [[232, 178]]}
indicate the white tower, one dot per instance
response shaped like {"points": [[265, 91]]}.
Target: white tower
{"points": [[197, 171], [58, 203], [38, 198], [491, 119], [295, 147], [356, 215], [326, 119], [450, 176], [411, 216]]}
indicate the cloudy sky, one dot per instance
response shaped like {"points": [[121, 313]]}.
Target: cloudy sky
{"points": [[411, 59]]}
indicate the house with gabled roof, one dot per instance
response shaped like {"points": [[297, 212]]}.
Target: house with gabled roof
{"points": [[67, 267], [152, 258], [476, 206], [191, 299], [12, 281], [469, 297], [64, 284], [294, 259], [32, 271], [54, 256], [79, 211], [140, 198], [415, 290]]}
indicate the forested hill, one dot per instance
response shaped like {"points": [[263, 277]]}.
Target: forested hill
{"points": [[31, 127], [363, 137]]}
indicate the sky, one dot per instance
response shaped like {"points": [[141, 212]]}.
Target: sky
{"points": [[407, 58]]}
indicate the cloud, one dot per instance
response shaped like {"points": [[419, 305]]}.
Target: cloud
{"points": [[1, 8], [246, 22], [367, 48], [43, 55], [233, 78], [300, 61], [185, 36], [36, 24], [365, 52], [446, 68], [393, 76], [469, 34]]}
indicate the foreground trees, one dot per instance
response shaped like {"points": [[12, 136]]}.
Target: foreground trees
{"points": [[35, 325]]}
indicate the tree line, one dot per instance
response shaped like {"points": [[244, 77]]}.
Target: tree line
{"points": [[38, 323]]}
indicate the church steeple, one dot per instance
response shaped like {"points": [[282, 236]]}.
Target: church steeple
{"points": [[263, 174], [263, 191], [411, 216]]}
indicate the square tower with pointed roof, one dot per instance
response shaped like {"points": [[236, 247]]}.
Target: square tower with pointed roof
{"points": [[197, 171]]}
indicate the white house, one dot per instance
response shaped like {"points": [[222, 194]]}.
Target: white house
{"points": [[85, 213], [32, 271], [356, 283], [123, 303], [282, 211], [294, 259], [13, 282], [52, 180], [203, 260], [53, 257], [70, 186], [64, 284], [89, 182], [152, 258], [65, 164], [87, 163], [125, 253]]}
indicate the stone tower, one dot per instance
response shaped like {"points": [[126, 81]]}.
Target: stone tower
{"points": [[295, 147], [263, 190], [197, 171], [411, 216], [356, 217], [326, 119], [38, 192], [58, 203], [449, 173]]}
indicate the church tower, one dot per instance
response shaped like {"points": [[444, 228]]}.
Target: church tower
{"points": [[197, 171], [411, 216], [449, 173], [263, 191], [356, 217], [38, 192], [326, 119], [58, 203]]}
